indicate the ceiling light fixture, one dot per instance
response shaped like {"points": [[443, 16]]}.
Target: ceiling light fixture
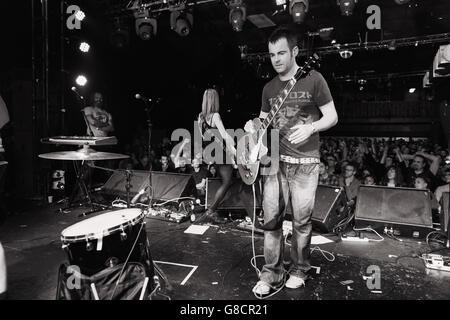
{"points": [[345, 54], [181, 21], [146, 26], [298, 10], [120, 36], [347, 6], [237, 15]]}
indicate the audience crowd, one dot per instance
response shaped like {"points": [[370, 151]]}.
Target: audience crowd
{"points": [[346, 162]]}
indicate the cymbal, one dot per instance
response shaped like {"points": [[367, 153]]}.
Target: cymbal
{"points": [[82, 154]]}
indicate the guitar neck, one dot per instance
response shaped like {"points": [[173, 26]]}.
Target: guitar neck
{"points": [[277, 104]]}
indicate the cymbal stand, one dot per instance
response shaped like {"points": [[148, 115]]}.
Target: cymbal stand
{"points": [[81, 171], [128, 175]]}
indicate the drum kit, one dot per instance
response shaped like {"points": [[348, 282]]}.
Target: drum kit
{"points": [[106, 243], [86, 155]]}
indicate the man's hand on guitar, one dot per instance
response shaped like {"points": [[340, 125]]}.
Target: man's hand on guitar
{"points": [[300, 133], [252, 126]]}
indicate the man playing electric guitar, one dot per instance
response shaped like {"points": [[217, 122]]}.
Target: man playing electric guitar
{"points": [[299, 121]]}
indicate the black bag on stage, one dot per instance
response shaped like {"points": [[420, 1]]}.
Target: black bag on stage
{"points": [[72, 285]]}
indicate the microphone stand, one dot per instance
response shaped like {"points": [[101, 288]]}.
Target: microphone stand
{"points": [[148, 108], [88, 125]]}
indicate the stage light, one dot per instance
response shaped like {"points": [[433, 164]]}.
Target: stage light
{"points": [[84, 47], [81, 80], [243, 50], [298, 10], [79, 15], [392, 46], [237, 15], [345, 54], [347, 6], [400, 2], [145, 25], [181, 22], [120, 36], [412, 90]]}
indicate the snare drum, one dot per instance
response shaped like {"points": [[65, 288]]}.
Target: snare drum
{"points": [[107, 240]]}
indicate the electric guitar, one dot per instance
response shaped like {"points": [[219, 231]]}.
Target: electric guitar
{"points": [[250, 146]]}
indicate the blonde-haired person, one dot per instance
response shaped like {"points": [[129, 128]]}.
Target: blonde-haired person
{"points": [[209, 119]]}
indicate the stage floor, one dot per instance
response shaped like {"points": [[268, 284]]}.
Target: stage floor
{"points": [[216, 265]]}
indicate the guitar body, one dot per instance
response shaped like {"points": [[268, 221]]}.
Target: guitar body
{"points": [[250, 150]]}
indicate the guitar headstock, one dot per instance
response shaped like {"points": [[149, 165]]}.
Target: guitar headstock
{"points": [[312, 62]]}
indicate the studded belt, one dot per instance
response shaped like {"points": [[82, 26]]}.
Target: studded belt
{"points": [[293, 160]]}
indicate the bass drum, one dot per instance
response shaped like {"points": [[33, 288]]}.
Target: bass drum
{"points": [[107, 240]]}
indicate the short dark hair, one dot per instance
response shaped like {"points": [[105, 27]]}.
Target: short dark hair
{"points": [[422, 157], [353, 165], [424, 178], [284, 32]]}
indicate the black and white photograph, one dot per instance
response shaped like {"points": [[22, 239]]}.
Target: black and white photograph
{"points": [[224, 156]]}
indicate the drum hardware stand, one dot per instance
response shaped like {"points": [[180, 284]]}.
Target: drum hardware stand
{"points": [[149, 104], [128, 174], [81, 173]]}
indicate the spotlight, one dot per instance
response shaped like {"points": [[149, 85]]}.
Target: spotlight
{"points": [[400, 2], [412, 90], [243, 50], [79, 15], [145, 25], [119, 36], [237, 15], [392, 46], [84, 47], [81, 80], [345, 54], [347, 6], [181, 22], [298, 10]]}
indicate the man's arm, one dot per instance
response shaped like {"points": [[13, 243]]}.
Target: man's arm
{"points": [[435, 161], [328, 120]]}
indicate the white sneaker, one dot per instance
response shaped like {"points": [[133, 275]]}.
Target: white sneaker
{"points": [[261, 288], [295, 282]]}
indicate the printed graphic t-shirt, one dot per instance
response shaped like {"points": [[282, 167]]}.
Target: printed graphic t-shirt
{"points": [[300, 107]]}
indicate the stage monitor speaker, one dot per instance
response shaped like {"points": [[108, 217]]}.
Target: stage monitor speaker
{"points": [[329, 208], [445, 207], [166, 186], [405, 211], [239, 195]]}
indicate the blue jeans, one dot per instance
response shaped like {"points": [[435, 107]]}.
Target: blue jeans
{"points": [[299, 183]]}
